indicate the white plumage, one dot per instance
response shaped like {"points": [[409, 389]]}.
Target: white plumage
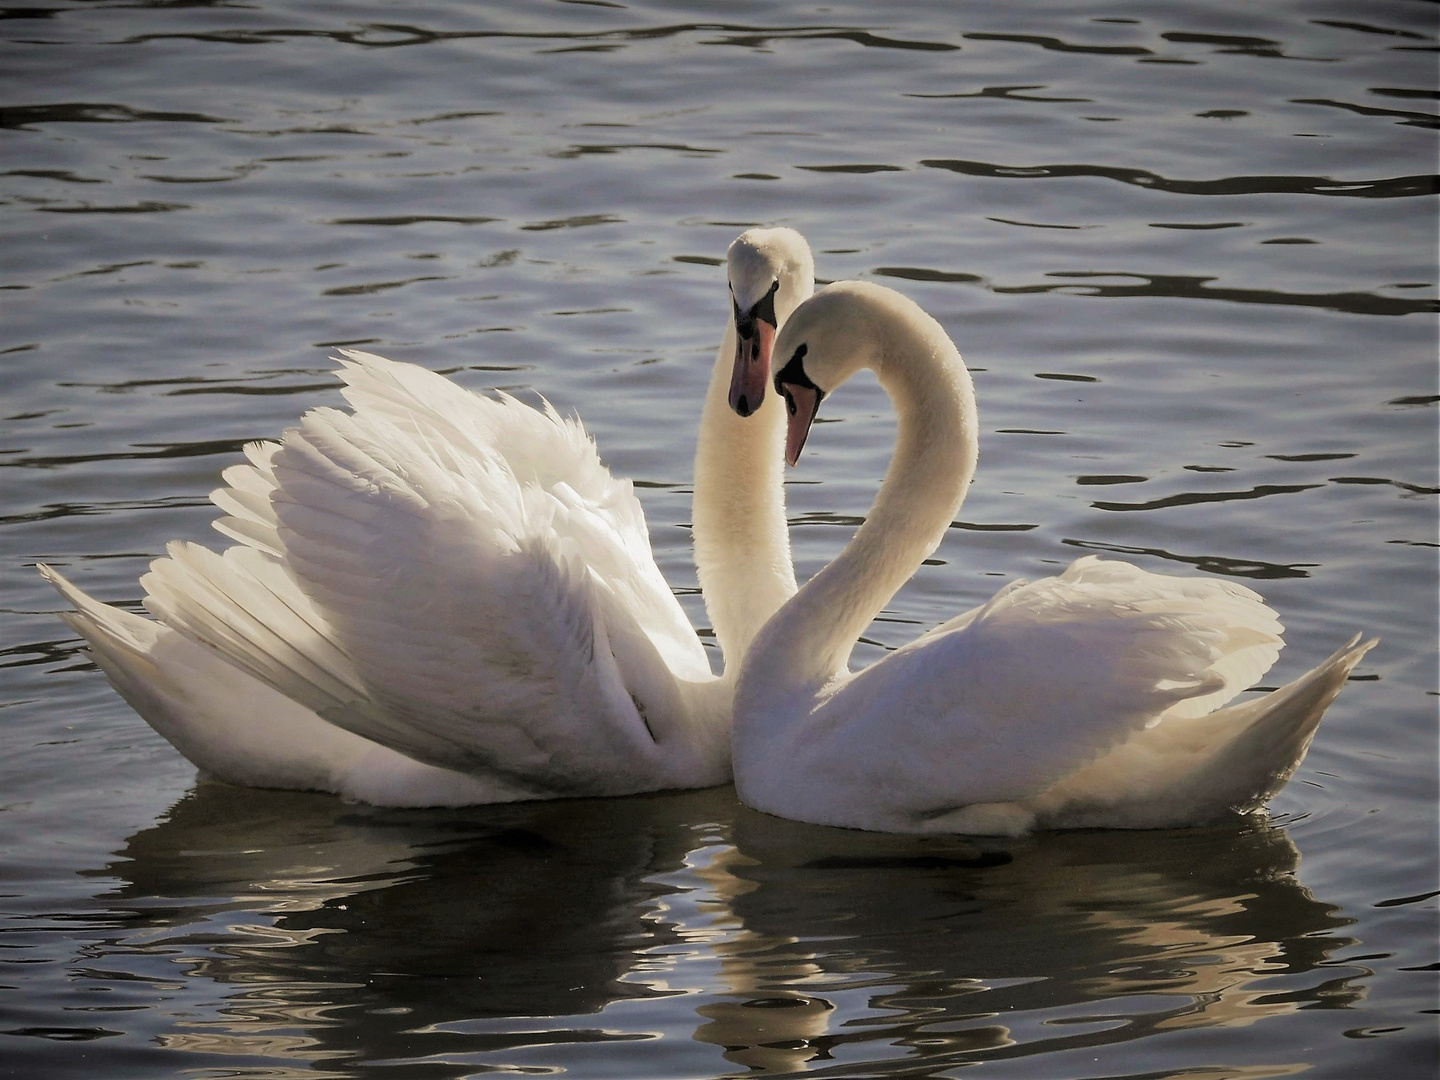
{"points": [[1093, 698], [439, 597]]}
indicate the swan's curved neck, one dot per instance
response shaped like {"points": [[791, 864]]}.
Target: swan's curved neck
{"points": [[742, 544], [809, 641]]}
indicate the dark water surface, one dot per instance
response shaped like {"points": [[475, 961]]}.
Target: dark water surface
{"points": [[1190, 252]]}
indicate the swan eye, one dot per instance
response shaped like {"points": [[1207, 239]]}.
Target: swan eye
{"points": [[794, 372], [765, 309]]}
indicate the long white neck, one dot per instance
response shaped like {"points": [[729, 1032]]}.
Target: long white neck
{"points": [[742, 544], [809, 642]]}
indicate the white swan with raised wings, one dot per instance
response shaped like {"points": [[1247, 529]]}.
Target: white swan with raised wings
{"points": [[441, 598]]}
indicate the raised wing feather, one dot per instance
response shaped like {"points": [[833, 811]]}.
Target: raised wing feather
{"points": [[456, 577], [249, 518], [244, 606], [479, 635], [1008, 699], [595, 515]]}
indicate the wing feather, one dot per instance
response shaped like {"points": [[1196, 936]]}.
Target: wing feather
{"points": [[455, 576], [248, 517], [473, 620], [1044, 679], [242, 605], [593, 514]]}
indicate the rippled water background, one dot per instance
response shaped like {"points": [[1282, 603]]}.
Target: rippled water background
{"points": [[1189, 251]]}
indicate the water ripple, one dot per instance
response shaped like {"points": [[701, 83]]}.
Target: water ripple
{"points": [[1109, 479], [22, 117], [1396, 187], [1380, 481], [1008, 93], [64, 175], [1183, 286], [857, 170], [1416, 399], [1045, 225], [1175, 286], [396, 35], [1402, 92], [1241, 44], [1370, 28], [141, 451], [1054, 44], [581, 149], [1210, 564], [578, 221], [145, 206], [416, 219], [1408, 119], [53, 511], [1191, 498]]}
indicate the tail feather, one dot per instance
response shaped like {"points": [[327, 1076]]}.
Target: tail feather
{"points": [[1190, 771], [1275, 732]]}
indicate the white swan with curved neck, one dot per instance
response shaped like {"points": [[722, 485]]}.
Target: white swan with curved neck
{"points": [[1088, 699], [442, 598]]}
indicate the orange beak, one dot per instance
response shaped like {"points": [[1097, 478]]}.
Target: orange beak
{"points": [[802, 403], [752, 363]]}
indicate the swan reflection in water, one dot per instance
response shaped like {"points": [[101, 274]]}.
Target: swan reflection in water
{"points": [[681, 928]]}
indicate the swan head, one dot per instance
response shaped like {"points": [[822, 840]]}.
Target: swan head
{"points": [[770, 271], [830, 337]]}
